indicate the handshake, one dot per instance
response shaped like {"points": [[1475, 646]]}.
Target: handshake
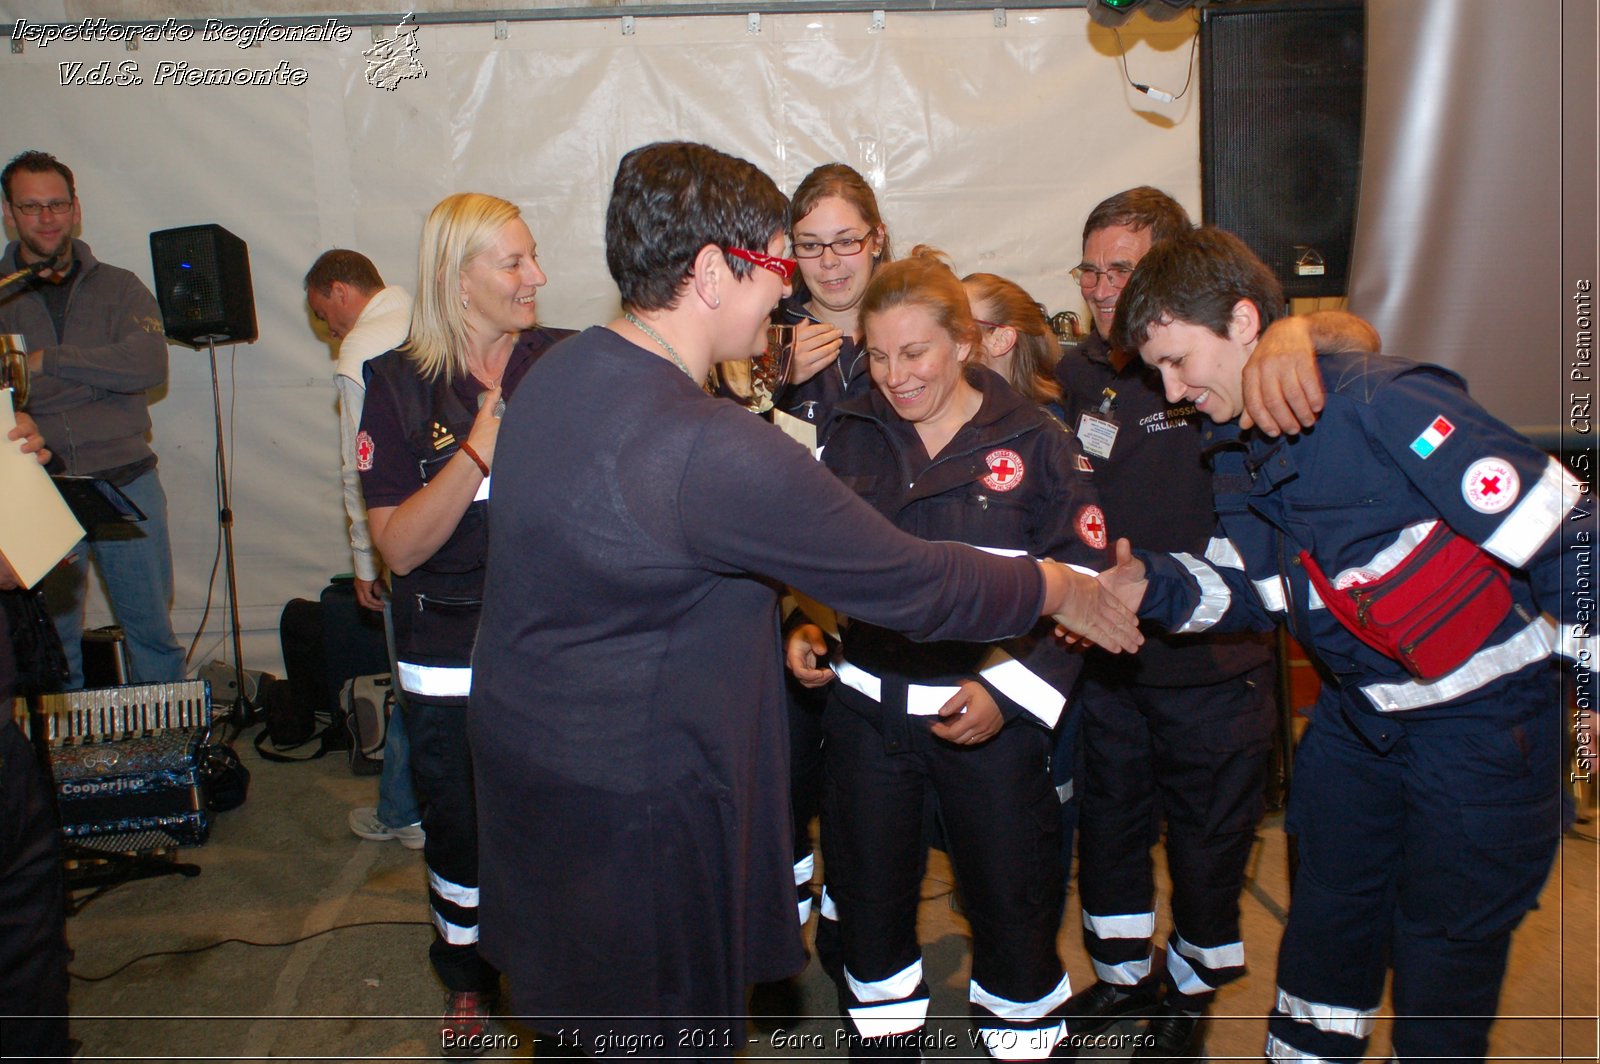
{"points": [[1103, 609]]}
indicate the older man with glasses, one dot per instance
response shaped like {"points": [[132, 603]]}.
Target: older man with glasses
{"points": [[95, 348]]}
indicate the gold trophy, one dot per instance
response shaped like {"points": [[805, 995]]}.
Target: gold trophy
{"points": [[14, 368], [753, 382]]}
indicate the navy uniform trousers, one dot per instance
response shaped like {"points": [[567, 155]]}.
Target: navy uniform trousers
{"points": [[1197, 758], [441, 765], [1424, 857], [1007, 859]]}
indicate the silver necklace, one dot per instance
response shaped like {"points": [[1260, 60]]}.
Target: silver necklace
{"points": [[642, 327]]}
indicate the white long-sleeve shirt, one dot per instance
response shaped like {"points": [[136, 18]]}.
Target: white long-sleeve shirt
{"points": [[384, 324]]}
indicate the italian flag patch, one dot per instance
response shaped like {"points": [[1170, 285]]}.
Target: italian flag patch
{"points": [[1432, 436]]}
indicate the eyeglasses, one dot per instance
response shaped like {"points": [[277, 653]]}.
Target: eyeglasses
{"points": [[987, 324], [844, 247], [33, 210], [1088, 276], [782, 267]]}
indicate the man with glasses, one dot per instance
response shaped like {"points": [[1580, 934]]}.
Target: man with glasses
{"points": [[1183, 730], [95, 348]]}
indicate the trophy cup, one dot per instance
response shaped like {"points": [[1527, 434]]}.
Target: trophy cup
{"points": [[14, 368], [753, 382]]}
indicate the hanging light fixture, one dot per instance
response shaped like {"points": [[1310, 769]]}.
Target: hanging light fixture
{"points": [[1114, 13]]}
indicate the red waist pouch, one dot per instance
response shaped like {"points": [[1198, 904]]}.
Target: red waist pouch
{"points": [[1432, 611]]}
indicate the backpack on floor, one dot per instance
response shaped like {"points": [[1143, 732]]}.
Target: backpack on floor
{"points": [[325, 643], [367, 702]]}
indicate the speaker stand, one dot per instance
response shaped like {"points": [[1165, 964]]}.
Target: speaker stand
{"points": [[242, 713], [97, 871]]}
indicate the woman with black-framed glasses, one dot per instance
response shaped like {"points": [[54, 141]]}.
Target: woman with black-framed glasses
{"points": [[838, 238]]}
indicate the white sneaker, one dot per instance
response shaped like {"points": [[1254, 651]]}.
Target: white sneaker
{"points": [[364, 822]]}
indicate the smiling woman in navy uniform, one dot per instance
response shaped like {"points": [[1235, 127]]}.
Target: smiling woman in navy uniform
{"points": [[946, 450], [838, 238], [431, 420]]}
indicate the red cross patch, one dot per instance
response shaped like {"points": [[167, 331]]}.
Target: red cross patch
{"points": [[1092, 527], [364, 451], [1354, 578], [1005, 470], [1490, 485]]}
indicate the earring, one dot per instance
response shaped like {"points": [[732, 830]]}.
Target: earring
{"points": [[463, 302], [718, 304]]}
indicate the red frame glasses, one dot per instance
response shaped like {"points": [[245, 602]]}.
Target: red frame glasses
{"points": [[777, 264]]}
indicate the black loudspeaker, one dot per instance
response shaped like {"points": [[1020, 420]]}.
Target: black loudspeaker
{"points": [[203, 285], [105, 657], [1280, 133]]}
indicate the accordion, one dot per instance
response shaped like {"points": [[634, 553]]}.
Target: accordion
{"points": [[129, 764]]}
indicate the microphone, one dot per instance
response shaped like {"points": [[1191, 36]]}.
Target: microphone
{"points": [[29, 272]]}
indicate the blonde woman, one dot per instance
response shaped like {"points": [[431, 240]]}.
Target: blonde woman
{"points": [[1018, 343], [431, 421]]}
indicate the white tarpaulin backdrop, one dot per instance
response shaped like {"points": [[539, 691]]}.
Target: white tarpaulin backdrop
{"points": [[989, 141]]}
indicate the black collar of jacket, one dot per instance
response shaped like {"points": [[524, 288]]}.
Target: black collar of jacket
{"points": [[1002, 411], [1002, 417]]}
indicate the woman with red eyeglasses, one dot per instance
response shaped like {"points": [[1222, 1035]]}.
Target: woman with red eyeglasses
{"points": [[627, 711]]}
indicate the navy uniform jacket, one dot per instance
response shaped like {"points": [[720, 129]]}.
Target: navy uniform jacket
{"points": [[847, 377], [1399, 447], [1156, 491], [409, 429], [1012, 481]]}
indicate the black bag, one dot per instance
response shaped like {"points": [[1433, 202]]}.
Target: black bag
{"points": [[325, 644], [291, 721], [352, 645], [227, 781], [292, 709], [41, 661]]}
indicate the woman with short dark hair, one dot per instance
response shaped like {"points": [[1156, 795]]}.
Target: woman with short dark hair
{"points": [[627, 713]]}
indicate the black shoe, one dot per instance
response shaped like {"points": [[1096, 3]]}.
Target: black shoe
{"points": [[1093, 1010], [1173, 1035], [778, 1004]]}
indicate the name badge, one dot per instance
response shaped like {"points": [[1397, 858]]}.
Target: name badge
{"points": [[1096, 435]]}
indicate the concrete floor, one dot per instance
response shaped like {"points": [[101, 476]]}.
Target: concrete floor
{"points": [[339, 970]]}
